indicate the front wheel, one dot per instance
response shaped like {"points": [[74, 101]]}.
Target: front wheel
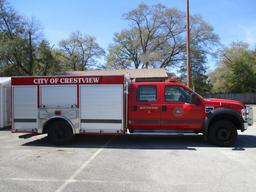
{"points": [[60, 132], [223, 133]]}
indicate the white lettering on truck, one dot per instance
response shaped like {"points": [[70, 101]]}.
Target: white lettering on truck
{"points": [[52, 81], [40, 81]]}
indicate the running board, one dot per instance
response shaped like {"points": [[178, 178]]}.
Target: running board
{"points": [[142, 131]]}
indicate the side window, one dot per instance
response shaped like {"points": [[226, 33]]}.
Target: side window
{"points": [[147, 93], [177, 94]]}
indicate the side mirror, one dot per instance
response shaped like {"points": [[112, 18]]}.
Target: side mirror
{"points": [[195, 100]]}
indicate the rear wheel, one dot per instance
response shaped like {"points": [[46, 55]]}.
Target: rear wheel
{"points": [[60, 132], [223, 133]]}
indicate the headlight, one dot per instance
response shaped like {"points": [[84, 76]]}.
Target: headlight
{"points": [[245, 113]]}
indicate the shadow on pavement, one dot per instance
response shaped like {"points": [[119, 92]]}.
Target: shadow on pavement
{"points": [[6, 129], [150, 142]]}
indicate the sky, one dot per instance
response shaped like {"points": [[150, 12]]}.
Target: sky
{"points": [[233, 20]]}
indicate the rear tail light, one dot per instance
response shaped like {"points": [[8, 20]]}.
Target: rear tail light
{"points": [[58, 113]]}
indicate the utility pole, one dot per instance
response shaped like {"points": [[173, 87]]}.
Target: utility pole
{"points": [[189, 83]]}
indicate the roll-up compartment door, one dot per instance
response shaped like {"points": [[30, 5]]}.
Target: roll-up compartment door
{"points": [[58, 96], [101, 108], [25, 108]]}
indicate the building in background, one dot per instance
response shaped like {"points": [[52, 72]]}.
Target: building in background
{"points": [[5, 102], [139, 75]]}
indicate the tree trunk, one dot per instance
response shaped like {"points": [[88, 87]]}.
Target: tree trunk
{"points": [[31, 59]]}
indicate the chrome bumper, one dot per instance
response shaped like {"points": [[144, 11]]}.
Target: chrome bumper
{"points": [[247, 114], [250, 115], [245, 126]]}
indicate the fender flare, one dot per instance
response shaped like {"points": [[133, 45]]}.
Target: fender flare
{"points": [[217, 113]]}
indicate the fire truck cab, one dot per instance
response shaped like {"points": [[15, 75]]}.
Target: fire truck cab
{"points": [[165, 106], [162, 106]]}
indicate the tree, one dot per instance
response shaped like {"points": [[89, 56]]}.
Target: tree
{"points": [[200, 80], [80, 52], [23, 51], [156, 38], [18, 39], [10, 29], [236, 71], [47, 63]]}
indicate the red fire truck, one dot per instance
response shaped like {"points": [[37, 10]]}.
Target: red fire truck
{"points": [[62, 106]]}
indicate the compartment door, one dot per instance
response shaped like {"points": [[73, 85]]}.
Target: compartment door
{"points": [[25, 108], [101, 108], [58, 96]]}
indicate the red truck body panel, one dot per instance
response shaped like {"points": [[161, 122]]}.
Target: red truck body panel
{"points": [[162, 114]]}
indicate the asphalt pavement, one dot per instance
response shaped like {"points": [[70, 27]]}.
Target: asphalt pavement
{"points": [[127, 163]]}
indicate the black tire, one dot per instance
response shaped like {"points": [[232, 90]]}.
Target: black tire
{"points": [[223, 133], [60, 132], [131, 130]]}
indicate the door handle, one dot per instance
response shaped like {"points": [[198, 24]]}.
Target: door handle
{"points": [[164, 108], [135, 108]]}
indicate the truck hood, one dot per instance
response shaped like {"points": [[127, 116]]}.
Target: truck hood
{"points": [[225, 103]]}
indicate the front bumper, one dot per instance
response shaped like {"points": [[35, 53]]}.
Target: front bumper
{"points": [[247, 114], [245, 126]]}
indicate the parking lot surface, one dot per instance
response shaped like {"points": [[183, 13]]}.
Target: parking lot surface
{"points": [[127, 163]]}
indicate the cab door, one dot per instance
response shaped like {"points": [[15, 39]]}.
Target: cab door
{"points": [[179, 109], [144, 106]]}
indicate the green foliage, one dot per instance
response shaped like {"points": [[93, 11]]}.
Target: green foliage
{"points": [[156, 38], [200, 81], [47, 63], [79, 52], [18, 42], [23, 51], [237, 70]]}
